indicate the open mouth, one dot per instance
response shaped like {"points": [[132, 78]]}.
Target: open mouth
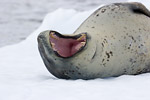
{"points": [[67, 46]]}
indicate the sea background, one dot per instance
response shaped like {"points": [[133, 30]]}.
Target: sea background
{"points": [[19, 18]]}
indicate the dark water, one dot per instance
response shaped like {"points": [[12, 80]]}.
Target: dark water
{"points": [[19, 18]]}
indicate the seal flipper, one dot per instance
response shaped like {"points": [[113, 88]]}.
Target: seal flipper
{"points": [[136, 7], [139, 8]]}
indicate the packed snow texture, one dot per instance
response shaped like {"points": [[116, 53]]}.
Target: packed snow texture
{"points": [[23, 75]]}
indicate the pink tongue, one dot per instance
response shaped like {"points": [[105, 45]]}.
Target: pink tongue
{"points": [[66, 47]]}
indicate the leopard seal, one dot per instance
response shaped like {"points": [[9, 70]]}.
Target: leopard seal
{"points": [[113, 41]]}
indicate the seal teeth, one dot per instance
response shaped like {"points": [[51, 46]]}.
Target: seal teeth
{"points": [[53, 46], [80, 45], [52, 35], [81, 37]]}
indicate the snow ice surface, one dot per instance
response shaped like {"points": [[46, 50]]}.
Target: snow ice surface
{"points": [[23, 75]]}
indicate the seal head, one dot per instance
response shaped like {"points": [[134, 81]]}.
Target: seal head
{"points": [[58, 50]]}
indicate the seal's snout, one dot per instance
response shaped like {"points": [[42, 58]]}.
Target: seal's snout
{"points": [[39, 39], [65, 45], [42, 36]]}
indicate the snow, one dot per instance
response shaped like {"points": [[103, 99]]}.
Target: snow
{"points": [[23, 75]]}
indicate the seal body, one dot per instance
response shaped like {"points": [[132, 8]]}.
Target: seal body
{"points": [[116, 41]]}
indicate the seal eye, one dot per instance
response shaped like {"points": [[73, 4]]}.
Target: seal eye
{"points": [[67, 46]]}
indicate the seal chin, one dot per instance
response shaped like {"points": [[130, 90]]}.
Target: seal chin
{"points": [[66, 46]]}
